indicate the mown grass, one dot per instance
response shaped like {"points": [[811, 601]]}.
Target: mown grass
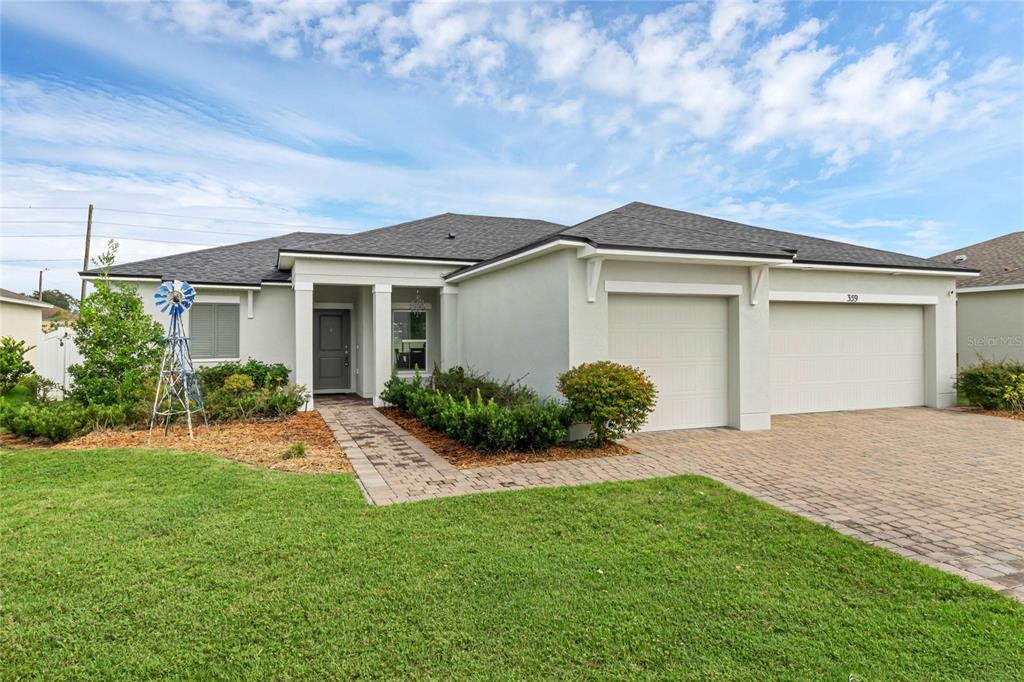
{"points": [[131, 564]]}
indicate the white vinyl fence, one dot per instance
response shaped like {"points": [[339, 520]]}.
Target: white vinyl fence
{"points": [[57, 352]]}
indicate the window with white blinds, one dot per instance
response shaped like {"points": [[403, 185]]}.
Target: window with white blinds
{"points": [[213, 328]]}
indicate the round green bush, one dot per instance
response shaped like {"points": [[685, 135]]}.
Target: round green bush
{"points": [[613, 399]]}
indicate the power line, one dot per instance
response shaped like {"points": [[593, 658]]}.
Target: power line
{"points": [[217, 220], [178, 215], [103, 236], [38, 260], [143, 227]]}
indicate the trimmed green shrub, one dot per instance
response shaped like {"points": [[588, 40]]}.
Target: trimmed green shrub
{"points": [[263, 375], [985, 384], [296, 449], [38, 389], [613, 399], [1013, 394], [233, 401], [63, 419], [238, 384], [398, 392], [460, 382], [13, 365], [480, 423]]}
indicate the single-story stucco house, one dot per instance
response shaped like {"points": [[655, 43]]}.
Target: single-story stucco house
{"points": [[21, 318], [734, 323], [990, 307]]}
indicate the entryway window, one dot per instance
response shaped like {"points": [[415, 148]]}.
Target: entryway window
{"points": [[409, 340], [213, 328]]}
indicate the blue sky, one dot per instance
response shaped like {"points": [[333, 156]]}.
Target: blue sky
{"points": [[896, 125]]}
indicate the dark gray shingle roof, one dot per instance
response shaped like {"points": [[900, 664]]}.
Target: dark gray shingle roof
{"points": [[246, 263], [639, 225], [485, 238], [1001, 261], [476, 238]]}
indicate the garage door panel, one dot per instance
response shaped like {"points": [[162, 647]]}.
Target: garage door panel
{"points": [[682, 344], [827, 356]]}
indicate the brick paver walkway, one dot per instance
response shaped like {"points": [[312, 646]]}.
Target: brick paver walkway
{"points": [[941, 487]]}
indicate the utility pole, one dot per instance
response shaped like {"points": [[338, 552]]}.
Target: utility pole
{"points": [[85, 260], [40, 291]]}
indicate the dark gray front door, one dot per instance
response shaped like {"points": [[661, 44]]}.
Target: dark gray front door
{"points": [[332, 350]]}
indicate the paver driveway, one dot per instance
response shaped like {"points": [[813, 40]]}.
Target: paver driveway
{"points": [[939, 486]]}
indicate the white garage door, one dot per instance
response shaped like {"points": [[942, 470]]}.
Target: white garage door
{"points": [[682, 343], [832, 356]]}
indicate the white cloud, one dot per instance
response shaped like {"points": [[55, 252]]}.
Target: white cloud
{"points": [[570, 111], [719, 70]]}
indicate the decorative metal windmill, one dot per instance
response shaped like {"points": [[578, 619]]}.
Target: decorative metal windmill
{"points": [[177, 389]]}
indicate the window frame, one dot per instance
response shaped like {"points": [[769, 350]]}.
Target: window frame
{"points": [[396, 343], [215, 357]]}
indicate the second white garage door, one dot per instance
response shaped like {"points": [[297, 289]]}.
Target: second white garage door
{"points": [[831, 356], [682, 343]]}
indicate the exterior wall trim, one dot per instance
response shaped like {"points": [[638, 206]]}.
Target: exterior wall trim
{"points": [[878, 270], [843, 297], [31, 304], [292, 255], [515, 258], [332, 306], [672, 288], [996, 287], [217, 298]]}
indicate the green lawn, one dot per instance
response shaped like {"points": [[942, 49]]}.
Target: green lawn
{"points": [[129, 564]]}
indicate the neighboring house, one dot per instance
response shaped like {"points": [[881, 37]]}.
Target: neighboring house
{"points": [[734, 323], [990, 307], [55, 317], [21, 317]]}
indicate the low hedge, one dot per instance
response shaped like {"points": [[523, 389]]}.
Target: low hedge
{"points": [[988, 384], [233, 392], [460, 382], [480, 423], [63, 419], [263, 374]]}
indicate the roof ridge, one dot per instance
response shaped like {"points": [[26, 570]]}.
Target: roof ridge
{"points": [[724, 220], [388, 227]]}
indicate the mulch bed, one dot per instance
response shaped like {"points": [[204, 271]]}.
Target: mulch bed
{"points": [[463, 457], [1006, 414], [258, 443]]}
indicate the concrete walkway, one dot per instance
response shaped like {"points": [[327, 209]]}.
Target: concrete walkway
{"points": [[941, 487]]}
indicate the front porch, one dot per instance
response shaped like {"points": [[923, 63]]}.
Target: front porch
{"points": [[350, 337]]}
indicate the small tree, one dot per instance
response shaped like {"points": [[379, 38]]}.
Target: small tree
{"points": [[119, 342], [614, 399], [58, 298], [13, 365]]}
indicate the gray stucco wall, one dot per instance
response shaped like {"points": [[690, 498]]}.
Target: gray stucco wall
{"points": [[990, 325], [514, 322], [267, 336]]}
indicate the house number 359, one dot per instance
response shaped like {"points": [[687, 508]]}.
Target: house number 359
{"points": [[852, 298]]}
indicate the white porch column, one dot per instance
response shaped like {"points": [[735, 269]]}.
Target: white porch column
{"points": [[449, 327], [304, 336], [381, 339]]}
